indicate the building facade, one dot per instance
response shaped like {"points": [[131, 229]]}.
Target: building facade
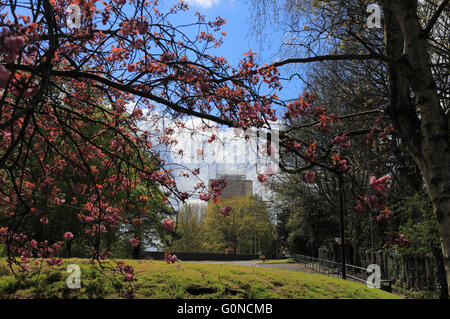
{"points": [[237, 185]]}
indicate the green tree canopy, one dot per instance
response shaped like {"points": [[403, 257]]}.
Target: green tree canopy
{"points": [[248, 229]]}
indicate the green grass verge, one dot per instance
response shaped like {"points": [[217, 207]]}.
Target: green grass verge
{"points": [[156, 279], [277, 261]]}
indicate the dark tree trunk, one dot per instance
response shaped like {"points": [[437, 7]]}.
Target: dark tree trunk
{"points": [[136, 253], [427, 137], [439, 271]]}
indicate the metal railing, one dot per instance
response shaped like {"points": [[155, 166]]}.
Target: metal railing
{"points": [[330, 267]]}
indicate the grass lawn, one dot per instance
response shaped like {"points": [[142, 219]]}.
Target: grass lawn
{"points": [[156, 279], [277, 261]]}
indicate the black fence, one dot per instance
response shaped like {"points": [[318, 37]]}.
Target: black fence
{"points": [[159, 255], [330, 267]]}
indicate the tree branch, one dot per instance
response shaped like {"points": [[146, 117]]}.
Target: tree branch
{"points": [[435, 17]]}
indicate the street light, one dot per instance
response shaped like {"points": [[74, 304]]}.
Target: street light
{"points": [[341, 215]]}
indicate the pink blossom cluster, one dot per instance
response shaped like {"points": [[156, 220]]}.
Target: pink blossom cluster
{"points": [[10, 46], [382, 184], [68, 236], [134, 242], [359, 206], [375, 201], [381, 187], [309, 177], [31, 249], [20, 90], [134, 27], [168, 224], [126, 270], [4, 76], [184, 196], [396, 239], [249, 111], [55, 262], [341, 142], [341, 165], [296, 109], [384, 214], [204, 197], [169, 258], [262, 178], [270, 75], [226, 211], [217, 185]]}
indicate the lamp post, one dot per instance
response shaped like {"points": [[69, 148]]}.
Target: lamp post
{"points": [[341, 215]]}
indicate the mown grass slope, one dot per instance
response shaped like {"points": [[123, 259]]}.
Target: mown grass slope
{"points": [[156, 279]]}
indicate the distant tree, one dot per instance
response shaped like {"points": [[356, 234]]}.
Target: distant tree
{"points": [[189, 221], [246, 229]]}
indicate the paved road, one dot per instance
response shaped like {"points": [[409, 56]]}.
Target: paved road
{"points": [[286, 266], [237, 262]]}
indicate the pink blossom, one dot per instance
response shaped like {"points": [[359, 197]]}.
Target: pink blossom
{"points": [[142, 27], [359, 207], [384, 214], [4, 76], [199, 151], [30, 92], [34, 243], [382, 184], [310, 177], [68, 236], [226, 210], [134, 242], [168, 224], [136, 113], [184, 195], [341, 165], [11, 56], [3, 231], [262, 178], [169, 258], [374, 202], [129, 277], [131, 67], [14, 43], [341, 141]]}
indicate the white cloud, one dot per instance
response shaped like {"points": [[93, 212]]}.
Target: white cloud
{"points": [[203, 3]]}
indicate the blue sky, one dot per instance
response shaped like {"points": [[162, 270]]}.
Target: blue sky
{"points": [[239, 39], [236, 13]]}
